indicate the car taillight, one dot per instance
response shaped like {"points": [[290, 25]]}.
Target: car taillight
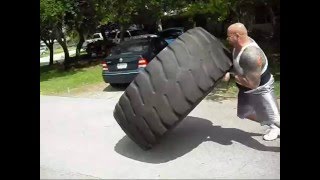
{"points": [[142, 63], [104, 66]]}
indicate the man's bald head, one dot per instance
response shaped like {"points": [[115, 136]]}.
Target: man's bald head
{"points": [[238, 28], [237, 35]]}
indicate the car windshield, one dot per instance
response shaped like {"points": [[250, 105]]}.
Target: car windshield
{"points": [[127, 47]]}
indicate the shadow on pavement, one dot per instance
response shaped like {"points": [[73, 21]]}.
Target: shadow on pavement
{"points": [[189, 134]]}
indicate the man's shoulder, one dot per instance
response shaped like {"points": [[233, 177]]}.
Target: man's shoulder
{"points": [[250, 56], [251, 52]]}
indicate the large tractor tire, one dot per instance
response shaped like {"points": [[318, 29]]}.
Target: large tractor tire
{"points": [[171, 86]]}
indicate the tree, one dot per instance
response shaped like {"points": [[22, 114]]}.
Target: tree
{"points": [[244, 11], [152, 11], [125, 12], [50, 15], [120, 11], [47, 37], [81, 16], [219, 8], [60, 34]]}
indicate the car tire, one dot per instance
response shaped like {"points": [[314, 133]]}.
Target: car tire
{"points": [[171, 86]]}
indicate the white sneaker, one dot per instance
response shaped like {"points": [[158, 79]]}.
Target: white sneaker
{"points": [[272, 134]]}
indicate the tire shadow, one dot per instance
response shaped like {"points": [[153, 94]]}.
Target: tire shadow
{"points": [[189, 134]]}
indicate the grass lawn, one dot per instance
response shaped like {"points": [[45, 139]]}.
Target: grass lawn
{"points": [[54, 81]]}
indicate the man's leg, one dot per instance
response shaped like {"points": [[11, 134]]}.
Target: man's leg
{"points": [[247, 107], [266, 108], [252, 117], [244, 108]]}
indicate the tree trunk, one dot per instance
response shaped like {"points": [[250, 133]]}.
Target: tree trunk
{"points": [[159, 25], [80, 43], [103, 33], [121, 32], [49, 44], [63, 44], [275, 27], [106, 44], [272, 17], [51, 53], [62, 41], [194, 20]]}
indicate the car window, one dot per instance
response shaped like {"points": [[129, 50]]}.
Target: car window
{"points": [[134, 46]]}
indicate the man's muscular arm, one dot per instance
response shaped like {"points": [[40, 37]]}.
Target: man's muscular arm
{"points": [[251, 62]]}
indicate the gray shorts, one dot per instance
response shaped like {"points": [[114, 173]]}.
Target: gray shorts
{"points": [[261, 102]]}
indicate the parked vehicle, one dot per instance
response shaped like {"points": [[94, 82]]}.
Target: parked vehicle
{"points": [[128, 58], [95, 37], [137, 34], [171, 34], [114, 36], [96, 49]]}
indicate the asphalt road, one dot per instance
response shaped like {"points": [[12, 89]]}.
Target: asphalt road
{"points": [[80, 139]]}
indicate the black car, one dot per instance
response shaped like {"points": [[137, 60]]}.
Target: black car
{"points": [[129, 57]]}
